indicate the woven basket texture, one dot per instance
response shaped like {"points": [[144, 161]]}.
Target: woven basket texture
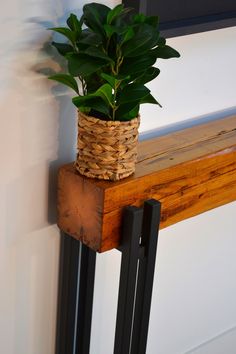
{"points": [[106, 149]]}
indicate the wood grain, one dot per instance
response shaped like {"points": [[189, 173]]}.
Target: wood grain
{"points": [[189, 171]]}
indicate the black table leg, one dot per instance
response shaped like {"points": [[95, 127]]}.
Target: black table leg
{"points": [[140, 236], [76, 286]]}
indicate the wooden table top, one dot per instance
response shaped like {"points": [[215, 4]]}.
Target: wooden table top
{"points": [[188, 171]]}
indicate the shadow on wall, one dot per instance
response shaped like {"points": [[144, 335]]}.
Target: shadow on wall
{"points": [[51, 63], [37, 135], [38, 128]]}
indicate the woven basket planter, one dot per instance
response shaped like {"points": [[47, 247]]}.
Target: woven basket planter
{"points": [[106, 149]]}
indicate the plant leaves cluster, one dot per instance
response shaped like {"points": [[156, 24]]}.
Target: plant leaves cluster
{"points": [[112, 53]]}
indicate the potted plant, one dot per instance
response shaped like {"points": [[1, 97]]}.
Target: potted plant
{"points": [[111, 55]]}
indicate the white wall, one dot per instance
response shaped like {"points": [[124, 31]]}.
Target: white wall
{"points": [[37, 128], [194, 289], [37, 134]]}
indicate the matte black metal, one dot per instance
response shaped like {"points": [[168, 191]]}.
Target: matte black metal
{"points": [[139, 244], [85, 304], [76, 285], [132, 226], [67, 299], [177, 19], [151, 221]]}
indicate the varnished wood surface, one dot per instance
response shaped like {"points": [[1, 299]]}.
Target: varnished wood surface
{"points": [[189, 172]]}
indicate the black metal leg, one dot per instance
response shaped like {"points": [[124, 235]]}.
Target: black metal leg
{"points": [[151, 221], [138, 249], [132, 224], [76, 285], [85, 304]]}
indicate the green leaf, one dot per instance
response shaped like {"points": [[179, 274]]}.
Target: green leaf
{"points": [[112, 14], [152, 20], [95, 16], [90, 38], [133, 92], [161, 42], [97, 53], [65, 80], [148, 75], [131, 66], [110, 79], [91, 102], [127, 111], [74, 23], [149, 99], [139, 18], [84, 65], [109, 30], [165, 52], [114, 81], [144, 39], [129, 34], [63, 48], [93, 82], [85, 110], [105, 92], [65, 32]]}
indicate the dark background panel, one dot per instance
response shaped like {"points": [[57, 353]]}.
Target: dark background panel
{"points": [[172, 10], [180, 17]]}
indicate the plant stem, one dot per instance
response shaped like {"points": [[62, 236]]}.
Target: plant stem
{"points": [[83, 85]]}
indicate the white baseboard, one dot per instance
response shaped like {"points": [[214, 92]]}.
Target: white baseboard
{"points": [[223, 343]]}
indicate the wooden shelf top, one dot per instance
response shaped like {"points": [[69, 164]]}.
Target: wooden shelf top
{"points": [[188, 171]]}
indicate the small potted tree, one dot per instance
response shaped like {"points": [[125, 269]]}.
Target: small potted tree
{"points": [[111, 55]]}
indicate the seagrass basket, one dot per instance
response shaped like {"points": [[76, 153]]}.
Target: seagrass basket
{"points": [[106, 149]]}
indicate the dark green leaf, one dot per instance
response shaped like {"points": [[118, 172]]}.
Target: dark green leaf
{"points": [[112, 14], [149, 99], [127, 111], [90, 38], [152, 20], [133, 92], [114, 81], [97, 53], [165, 52], [105, 92], [95, 16], [161, 42], [84, 65], [110, 79], [131, 66], [144, 39], [63, 48], [91, 102], [93, 82], [65, 80], [74, 23], [81, 20], [65, 32], [129, 34], [109, 30], [85, 110], [139, 18], [148, 75]]}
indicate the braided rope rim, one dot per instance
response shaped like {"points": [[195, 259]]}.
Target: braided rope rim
{"points": [[106, 149]]}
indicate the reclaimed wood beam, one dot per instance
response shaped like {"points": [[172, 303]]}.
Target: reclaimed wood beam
{"points": [[188, 171]]}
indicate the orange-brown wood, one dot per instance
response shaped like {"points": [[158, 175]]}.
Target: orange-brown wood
{"points": [[189, 172]]}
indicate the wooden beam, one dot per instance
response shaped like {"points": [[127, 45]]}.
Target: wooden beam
{"points": [[189, 172]]}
